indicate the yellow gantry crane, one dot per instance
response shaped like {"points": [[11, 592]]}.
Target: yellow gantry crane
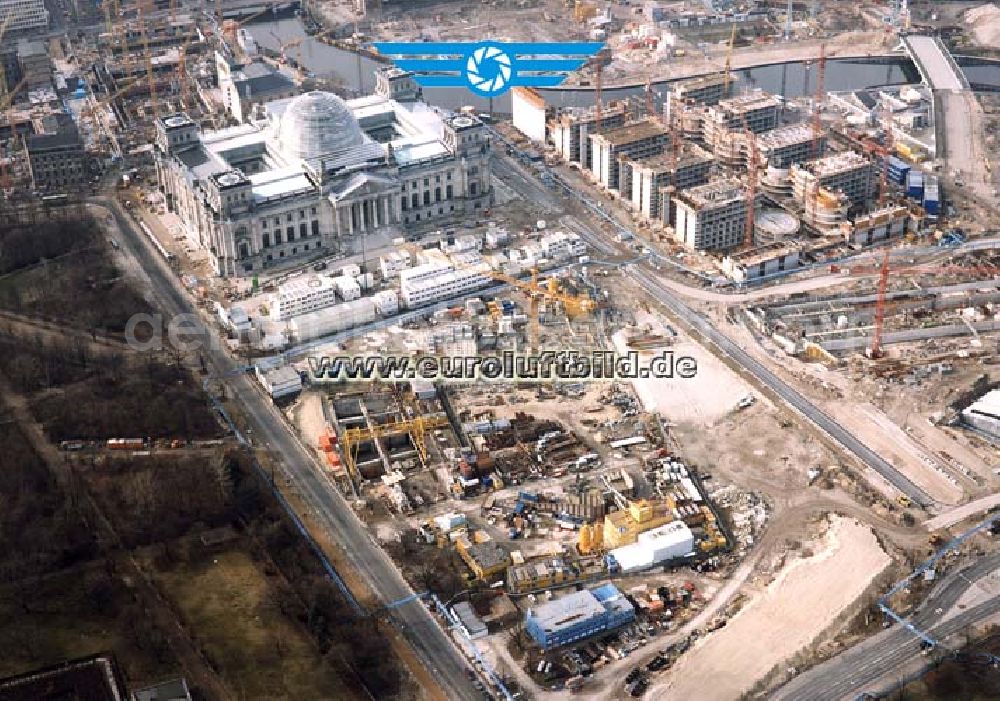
{"points": [[573, 305], [417, 428]]}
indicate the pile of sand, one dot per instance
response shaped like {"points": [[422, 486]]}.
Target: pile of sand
{"points": [[806, 597], [984, 24]]}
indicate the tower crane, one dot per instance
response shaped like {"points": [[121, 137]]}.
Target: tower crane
{"points": [[753, 167], [884, 270], [727, 73], [818, 100], [573, 305]]}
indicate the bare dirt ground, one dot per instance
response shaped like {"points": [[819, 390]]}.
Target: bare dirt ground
{"points": [[705, 399], [792, 612], [307, 416], [984, 24], [892, 443]]}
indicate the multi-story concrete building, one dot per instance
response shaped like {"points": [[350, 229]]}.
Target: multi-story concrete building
{"points": [[23, 15], [848, 172], [432, 282], [529, 113], [317, 173], [761, 261], [246, 86], [613, 148], [875, 226], [57, 159], [560, 245], [302, 295], [703, 90], [795, 143], [711, 217], [725, 124], [570, 132], [35, 64], [653, 178]]}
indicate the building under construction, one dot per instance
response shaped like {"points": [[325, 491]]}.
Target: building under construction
{"points": [[613, 149], [787, 145], [704, 90], [713, 216], [571, 131], [847, 172], [653, 178], [755, 263], [725, 123], [883, 223]]}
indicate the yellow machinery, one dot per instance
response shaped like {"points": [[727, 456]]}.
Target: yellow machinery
{"points": [[417, 428], [573, 305], [727, 74], [583, 11]]}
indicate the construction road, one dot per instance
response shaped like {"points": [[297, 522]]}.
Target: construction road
{"points": [[269, 430], [861, 668], [722, 344], [772, 382]]}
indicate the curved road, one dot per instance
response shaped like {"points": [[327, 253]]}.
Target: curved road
{"points": [[860, 668]]}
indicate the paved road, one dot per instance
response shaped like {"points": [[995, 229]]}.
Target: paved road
{"points": [[935, 63], [330, 509], [802, 405], [860, 668]]}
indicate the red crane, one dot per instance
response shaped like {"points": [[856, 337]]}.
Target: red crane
{"points": [[883, 270], [598, 105], [875, 351], [819, 99], [753, 167]]}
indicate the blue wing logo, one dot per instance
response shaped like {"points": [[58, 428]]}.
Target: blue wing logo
{"points": [[489, 68]]}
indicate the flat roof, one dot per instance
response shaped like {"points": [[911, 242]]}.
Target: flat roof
{"points": [[568, 610], [713, 194], [747, 103], [630, 133], [91, 679], [987, 405], [836, 163], [762, 254], [280, 182], [785, 136], [689, 154]]}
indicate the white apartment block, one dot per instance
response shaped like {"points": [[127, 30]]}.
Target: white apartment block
{"points": [[433, 285], [348, 288], [711, 217], [386, 302], [457, 244], [560, 245], [302, 295], [392, 263], [21, 15]]}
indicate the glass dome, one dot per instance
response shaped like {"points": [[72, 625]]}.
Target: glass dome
{"points": [[316, 124]]}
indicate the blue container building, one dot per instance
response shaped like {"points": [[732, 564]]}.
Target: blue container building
{"points": [[898, 170], [578, 616], [932, 196], [915, 185]]}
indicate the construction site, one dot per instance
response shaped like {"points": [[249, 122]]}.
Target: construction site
{"points": [[711, 365]]}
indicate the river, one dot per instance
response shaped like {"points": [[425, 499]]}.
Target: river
{"points": [[793, 79]]}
